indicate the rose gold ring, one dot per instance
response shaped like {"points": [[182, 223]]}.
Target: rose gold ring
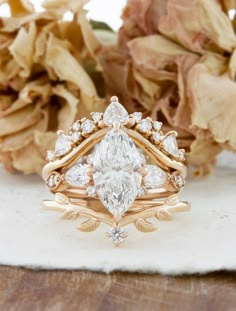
{"points": [[116, 169]]}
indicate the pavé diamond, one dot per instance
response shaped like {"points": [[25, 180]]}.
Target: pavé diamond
{"points": [[178, 180], [156, 137], [170, 145], [142, 191], [157, 125], [76, 136], [91, 191], [77, 175], [76, 126], [155, 177], [181, 155], [50, 155], [116, 160], [53, 180], [96, 116], [137, 116], [87, 126], [145, 126], [63, 144], [115, 112]]}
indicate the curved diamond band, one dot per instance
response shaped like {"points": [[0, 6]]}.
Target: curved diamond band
{"points": [[116, 169]]}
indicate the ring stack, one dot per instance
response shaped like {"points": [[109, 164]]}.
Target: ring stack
{"points": [[118, 169]]}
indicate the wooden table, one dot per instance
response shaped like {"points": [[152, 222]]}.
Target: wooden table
{"points": [[22, 289]]}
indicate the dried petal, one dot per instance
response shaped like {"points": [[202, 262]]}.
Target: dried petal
{"points": [[23, 47], [19, 121], [20, 7], [68, 112], [61, 61], [198, 25], [219, 114]]}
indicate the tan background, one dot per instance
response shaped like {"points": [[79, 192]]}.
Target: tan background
{"points": [[23, 290]]}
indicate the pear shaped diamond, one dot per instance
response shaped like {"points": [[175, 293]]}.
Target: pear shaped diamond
{"points": [[63, 144], [155, 177], [115, 112], [116, 160], [77, 175], [170, 145]]}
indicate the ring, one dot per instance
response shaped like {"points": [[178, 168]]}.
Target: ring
{"points": [[118, 169]]}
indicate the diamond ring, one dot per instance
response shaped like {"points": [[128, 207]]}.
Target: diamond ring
{"points": [[117, 169]]}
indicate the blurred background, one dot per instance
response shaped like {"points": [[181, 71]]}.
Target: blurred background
{"points": [[97, 11]]}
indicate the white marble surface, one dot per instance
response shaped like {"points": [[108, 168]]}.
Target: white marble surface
{"points": [[199, 241]]}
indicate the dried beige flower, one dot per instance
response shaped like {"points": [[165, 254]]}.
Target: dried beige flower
{"points": [[44, 85], [176, 60]]}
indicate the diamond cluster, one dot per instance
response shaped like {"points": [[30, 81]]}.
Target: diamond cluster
{"points": [[115, 113], [79, 131], [116, 170], [116, 162]]}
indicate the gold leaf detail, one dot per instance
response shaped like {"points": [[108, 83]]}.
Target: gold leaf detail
{"points": [[89, 225], [172, 200], [70, 214], [164, 214], [144, 225], [61, 198]]}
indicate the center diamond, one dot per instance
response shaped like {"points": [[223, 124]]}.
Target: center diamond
{"points": [[116, 160]]}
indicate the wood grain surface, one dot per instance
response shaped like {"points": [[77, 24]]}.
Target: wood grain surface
{"points": [[22, 290]]}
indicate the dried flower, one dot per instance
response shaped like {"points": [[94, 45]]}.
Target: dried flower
{"points": [[44, 85], [176, 60]]}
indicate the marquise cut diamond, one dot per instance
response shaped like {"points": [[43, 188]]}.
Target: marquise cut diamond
{"points": [[117, 190], [116, 161]]}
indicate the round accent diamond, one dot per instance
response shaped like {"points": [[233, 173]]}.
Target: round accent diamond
{"points": [[76, 136], [145, 126], [76, 126], [155, 177], [156, 137], [50, 155], [177, 180], [90, 158], [91, 191], [53, 180], [157, 125], [142, 192], [117, 235], [77, 175], [137, 116], [96, 116], [181, 155], [87, 126]]}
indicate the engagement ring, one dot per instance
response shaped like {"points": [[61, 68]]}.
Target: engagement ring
{"points": [[118, 169]]}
